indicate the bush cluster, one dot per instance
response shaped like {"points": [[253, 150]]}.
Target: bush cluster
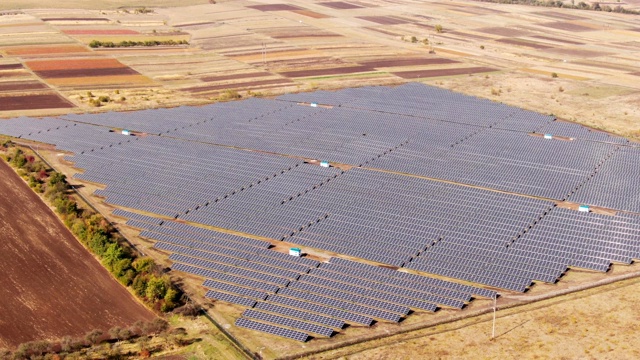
{"points": [[125, 43], [140, 273], [92, 344]]}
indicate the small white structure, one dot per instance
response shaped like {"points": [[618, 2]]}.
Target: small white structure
{"points": [[295, 252], [324, 163], [126, 132], [583, 208], [314, 104], [548, 136]]}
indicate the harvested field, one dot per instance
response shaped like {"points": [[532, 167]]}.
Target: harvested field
{"points": [[503, 31], [235, 76], [90, 63], [100, 32], [92, 82], [566, 26], [417, 74], [330, 71], [69, 73], [559, 15], [384, 63], [29, 102], [65, 291], [384, 20], [274, 7], [340, 5], [11, 74], [583, 53], [79, 19], [10, 66], [43, 50], [525, 43], [242, 85], [311, 14], [21, 86], [558, 40]]}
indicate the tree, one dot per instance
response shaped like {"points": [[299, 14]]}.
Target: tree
{"points": [[114, 332], [93, 336], [438, 28], [156, 288]]}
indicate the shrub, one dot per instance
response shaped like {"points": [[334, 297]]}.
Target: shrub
{"points": [[438, 28], [554, 75]]}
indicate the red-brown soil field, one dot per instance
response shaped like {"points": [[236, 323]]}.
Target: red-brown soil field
{"points": [[93, 63], [22, 85], [32, 102], [65, 73], [51, 285]]}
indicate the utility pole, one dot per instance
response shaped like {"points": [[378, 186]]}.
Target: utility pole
{"points": [[493, 332]]}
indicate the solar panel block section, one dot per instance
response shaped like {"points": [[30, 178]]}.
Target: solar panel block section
{"points": [[234, 299], [571, 130], [343, 314], [288, 322], [300, 314], [272, 329], [233, 289], [615, 183]]}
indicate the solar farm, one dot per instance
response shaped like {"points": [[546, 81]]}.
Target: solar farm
{"points": [[433, 200]]}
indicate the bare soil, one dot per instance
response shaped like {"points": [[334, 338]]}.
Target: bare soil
{"points": [[384, 20], [71, 73], [22, 85], [329, 71], [340, 5], [51, 285], [30, 102]]}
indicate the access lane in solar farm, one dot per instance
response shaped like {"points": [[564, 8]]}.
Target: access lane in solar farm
{"points": [[441, 184]]}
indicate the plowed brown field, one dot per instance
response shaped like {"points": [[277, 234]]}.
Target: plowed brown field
{"points": [[51, 286]]}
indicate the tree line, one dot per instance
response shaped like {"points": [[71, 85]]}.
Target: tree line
{"points": [[126, 43], [595, 6], [141, 274]]}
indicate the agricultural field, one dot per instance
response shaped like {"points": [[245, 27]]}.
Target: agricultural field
{"points": [[52, 286], [574, 64]]}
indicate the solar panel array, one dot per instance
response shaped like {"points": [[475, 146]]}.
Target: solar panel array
{"points": [[239, 166], [616, 183]]}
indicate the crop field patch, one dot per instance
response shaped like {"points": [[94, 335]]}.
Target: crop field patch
{"points": [[21, 86], [65, 290], [100, 32], [93, 81], [522, 42], [503, 31], [326, 71], [566, 26], [399, 62], [44, 50], [385, 20], [584, 53], [78, 19], [311, 14], [29, 102], [69, 73], [340, 5], [10, 66], [558, 40], [559, 15], [236, 76], [275, 7], [89, 63], [417, 74]]}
